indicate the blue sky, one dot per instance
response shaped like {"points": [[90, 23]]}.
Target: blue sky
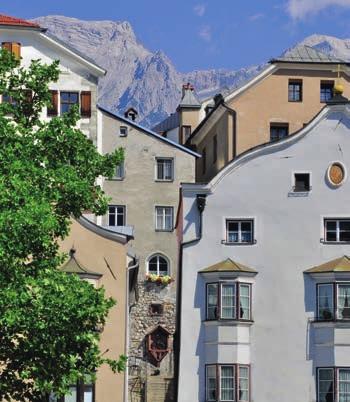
{"points": [[203, 34]]}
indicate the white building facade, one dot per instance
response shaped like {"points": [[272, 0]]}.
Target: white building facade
{"points": [[77, 83], [265, 281]]}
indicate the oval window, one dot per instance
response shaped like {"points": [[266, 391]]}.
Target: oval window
{"points": [[336, 174]]}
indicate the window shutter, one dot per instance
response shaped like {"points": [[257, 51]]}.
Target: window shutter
{"points": [[16, 50], [13, 47], [85, 101], [7, 46], [52, 110]]}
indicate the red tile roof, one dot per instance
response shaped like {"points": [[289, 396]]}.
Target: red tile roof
{"points": [[12, 21]]}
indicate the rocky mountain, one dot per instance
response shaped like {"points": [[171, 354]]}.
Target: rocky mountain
{"points": [[149, 81], [135, 76]]}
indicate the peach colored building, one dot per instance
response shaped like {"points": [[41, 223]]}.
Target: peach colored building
{"points": [[101, 257], [278, 102]]}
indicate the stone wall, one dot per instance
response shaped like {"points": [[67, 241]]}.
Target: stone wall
{"points": [[147, 381]]}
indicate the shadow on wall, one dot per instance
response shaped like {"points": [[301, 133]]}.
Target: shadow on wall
{"points": [[192, 218], [319, 339], [199, 297]]}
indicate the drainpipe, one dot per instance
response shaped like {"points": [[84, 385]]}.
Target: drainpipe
{"points": [[201, 202], [127, 314]]}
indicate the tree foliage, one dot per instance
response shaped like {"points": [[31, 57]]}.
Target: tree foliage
{"points": [[48, 170]]}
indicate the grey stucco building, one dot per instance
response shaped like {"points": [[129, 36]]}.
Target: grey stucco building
{"points": [[145, 194]]}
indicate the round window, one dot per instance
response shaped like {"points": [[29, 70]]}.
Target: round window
{"points": [[336, 174]]}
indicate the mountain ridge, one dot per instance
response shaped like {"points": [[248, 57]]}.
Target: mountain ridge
{"points": [[148, 81]]}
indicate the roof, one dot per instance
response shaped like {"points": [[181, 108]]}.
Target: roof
{"points": [[105, 232], [148, 132], [168, 124], [228, 266], [341, 264], [73, 266], [306, 54], [17, 22], [189, 98]]}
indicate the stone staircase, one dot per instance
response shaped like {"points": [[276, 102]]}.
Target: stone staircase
{"points": [[160, 389]]}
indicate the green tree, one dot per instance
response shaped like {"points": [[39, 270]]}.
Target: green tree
{"points": [[48, 170]]}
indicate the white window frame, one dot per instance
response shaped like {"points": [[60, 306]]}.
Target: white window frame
{"points": [[337, 230], [157, 255], [239, 221], [163, 228], [116, 214], [161, 158]]}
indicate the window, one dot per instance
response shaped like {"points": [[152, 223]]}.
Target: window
{"points": [[301, 182], [239, 231], [228, 301], [158, 265], [278, 131], [333, 384], [82, 392], [156, 309], [325, 386], [123, 131], [165, 171], [333, 301], [116, 215], [227, 382], [120, 171], [68, 100], [13, 47], [204, 160], [186, 133], [295, 91], [326, 91], [337, 230], [215, 148], [164, 218]]}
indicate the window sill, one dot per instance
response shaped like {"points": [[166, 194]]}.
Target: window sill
{"points": [[164, 230], [295, 101], [227, 243], [332, 323], [333, 242], [298, 194], [115, 179], [228, 322], [164, 181]]}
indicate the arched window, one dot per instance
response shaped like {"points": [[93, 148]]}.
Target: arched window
{"points": [[158, 265]]}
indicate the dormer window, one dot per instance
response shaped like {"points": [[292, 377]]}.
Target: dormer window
{"points": [[13, 47]]}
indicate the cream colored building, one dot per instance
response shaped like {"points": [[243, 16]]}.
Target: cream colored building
{"points": [[278, 102], [101, 257], [144, 197]]}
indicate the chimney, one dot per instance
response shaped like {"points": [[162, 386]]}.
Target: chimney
{"points": [[131, 114], [187, 87]]}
